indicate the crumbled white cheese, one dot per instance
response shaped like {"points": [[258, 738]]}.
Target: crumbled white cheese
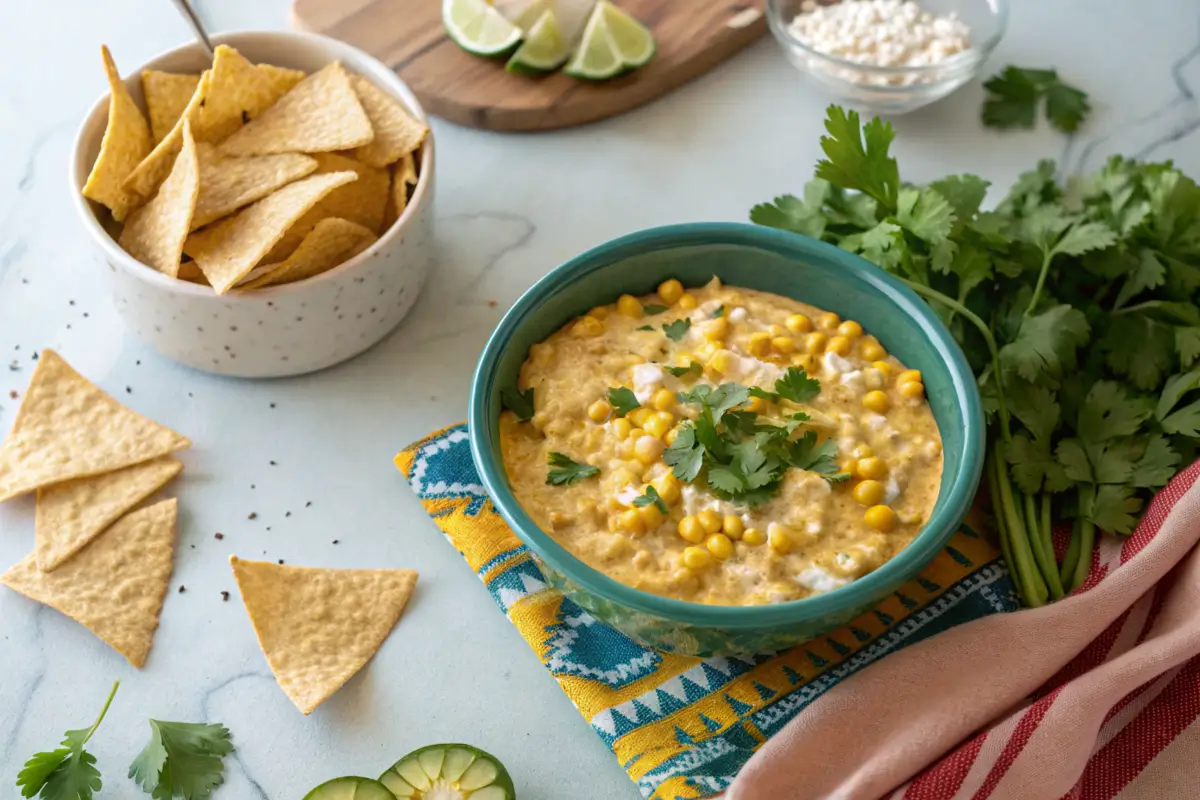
{"points": [[627, 495], [818, 580], [891, 491], [835, 364], [813, 526], [854, 380], [874, 421], [737, 315], [751, 371], [874, 378], [647, 379]]}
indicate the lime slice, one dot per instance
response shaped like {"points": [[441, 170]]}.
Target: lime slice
{"points": [[477, 27], [530, 14], [350, 789], [596, 58], [448, 772], [543, 50], [632, 40]]}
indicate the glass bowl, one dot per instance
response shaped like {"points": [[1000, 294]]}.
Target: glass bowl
{"points": [[898, 89]]}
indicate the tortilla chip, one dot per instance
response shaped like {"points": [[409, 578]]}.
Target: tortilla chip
{"points": [[227, 184], [332, 242], [282, 78], [408, 168], [126, 142], [188, 271], [320, 114], [155, 167], [397, 197], [239, 92], [362, 201], [397, 132], [114, 586], [227, 250], [67, 428], [167, 95], [155, 232], [73, 513], [318, 627]]}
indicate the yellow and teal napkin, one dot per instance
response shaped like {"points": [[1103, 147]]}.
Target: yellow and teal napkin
{"points": [[682, 727]]}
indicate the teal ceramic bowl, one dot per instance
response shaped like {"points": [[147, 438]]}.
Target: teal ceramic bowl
{"points": [[772, 261]]}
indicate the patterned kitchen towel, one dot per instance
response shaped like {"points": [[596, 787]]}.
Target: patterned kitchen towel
{"points": [[683, 727]]}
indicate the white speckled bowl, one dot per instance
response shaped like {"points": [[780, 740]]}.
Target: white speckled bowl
{"points": [[286, 330]]}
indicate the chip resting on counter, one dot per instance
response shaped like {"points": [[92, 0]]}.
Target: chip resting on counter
{"points": [[318, 627]]}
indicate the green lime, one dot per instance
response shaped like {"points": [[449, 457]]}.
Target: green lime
{"points": [[449, 772], [596, 58], [531, 13], [544, 48], [350, 789], [477, 27], [632, 40]]}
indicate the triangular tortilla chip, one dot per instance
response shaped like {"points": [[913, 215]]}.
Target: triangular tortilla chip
{"points": [[114, 586], [227, 184], [408, 168], [320, 114], [397, 197], [72, 513], [332, 242], [67, 428], [188, 271], [227, 250], [167, 95], [238, 92], [282, 78], [155, 167], [397, 132], [154, 234], [318, 627], [126, 142]]}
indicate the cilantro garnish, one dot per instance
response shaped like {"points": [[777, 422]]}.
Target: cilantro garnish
{"points": [[795, 385], [645, 328], [68, 773], [1014, 94], [651, 497], [565, 471], [678, 329], [1074, 302], [693, 368], [654, 309], [518, 402], [718, 312], [182, 759], [622, 399]]}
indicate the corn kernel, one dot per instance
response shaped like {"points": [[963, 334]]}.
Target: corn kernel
{"points": [[732, 526], [599, 411], [587, 328], [622, 476], [805, 361], [886, 367], [663, 400], [784, 345], [873, 468], [798, 323], [871, 350], [600, 312], [631, 521], [863, 451], [630, 306], [696, 557], [651, 516], [839, 345], [876, 401], [753, 537], [868, 493], [621, 428], [758, 344], [719, 545], [706, 351], [720, 362], [912, 389], [850, 329], [777, 330], [669, 436], [639, 415], [779, 537], [667, 417], [633, 359], [828, 321], [687, 301], [670, 291], [647, 449], [656, 427], [815, 342], [909, 375], [668, 488], [690, 529], [881, 518], [757, 405], [716, 330], [709, 520]]}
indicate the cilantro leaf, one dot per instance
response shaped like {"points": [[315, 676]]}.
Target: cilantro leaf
{"points": [[1066, 106], [718, 312], [654, 309], [882, 245], [685, 455], [925, 214], [1108, 412], [1187, 344], [857, 156], [1173, 391], [1149, 273], [806, 453], [1111, 508], [694, 368], [1045, 345], [1034, 467], [1139, 347], [1157, 465], [69, 772], [678, 329], [518, 402], [973, 266], [1036, 407], [726, 481], [1113, 461], [1084, 237], [565, 471], [651, 496], [763, 394], [1073, 457], [1014, 94], [724, 398], [182, 759], [964, 193], [1185, 421], [795, 385], [646, 328], [622, 399], [789, 213]]}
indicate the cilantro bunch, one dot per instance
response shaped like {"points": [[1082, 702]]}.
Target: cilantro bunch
{"points": [[1074, 302]]}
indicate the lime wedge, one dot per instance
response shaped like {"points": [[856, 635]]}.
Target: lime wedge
{"points": [[596, 58], [632, 40], [477, 27], [544, 48], [530, 14]]}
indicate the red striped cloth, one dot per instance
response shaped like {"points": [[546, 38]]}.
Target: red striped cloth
{"points": [[1094, 697]]}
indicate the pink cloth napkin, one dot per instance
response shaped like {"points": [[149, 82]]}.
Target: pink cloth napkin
{"points": [[1095, 696]]}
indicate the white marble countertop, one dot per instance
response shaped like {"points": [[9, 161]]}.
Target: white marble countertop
{"points": [[510, 207]]}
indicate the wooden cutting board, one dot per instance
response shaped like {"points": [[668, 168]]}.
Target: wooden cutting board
{"points": [[693, 37]]}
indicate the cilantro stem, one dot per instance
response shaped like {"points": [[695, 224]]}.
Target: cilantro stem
{"points": [[1071, 558], [1043, 548], [1041, 281], [1033, 588], [111, 694], [1087, 538], [1002, 525]]}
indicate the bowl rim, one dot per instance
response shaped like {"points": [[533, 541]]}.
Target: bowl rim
{"points": [[969, 58], [362, 63], [929, 541]]}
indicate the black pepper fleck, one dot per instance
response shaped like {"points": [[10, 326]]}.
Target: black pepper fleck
{"points": [[225, 596], [128, 390], [13, 394], [253, 515], [272, 405], [281, 561], [308, 504], [335, 541], [287, 513], [273, 464], [218, 536], [245, 117], [182, 588]]}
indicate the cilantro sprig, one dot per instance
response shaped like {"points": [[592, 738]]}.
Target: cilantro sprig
{"points": [[678, 329], [518, 402], [564, 470], [622, 399], [182, 759], [69, 772], [651, 497], [1075, 303]]}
